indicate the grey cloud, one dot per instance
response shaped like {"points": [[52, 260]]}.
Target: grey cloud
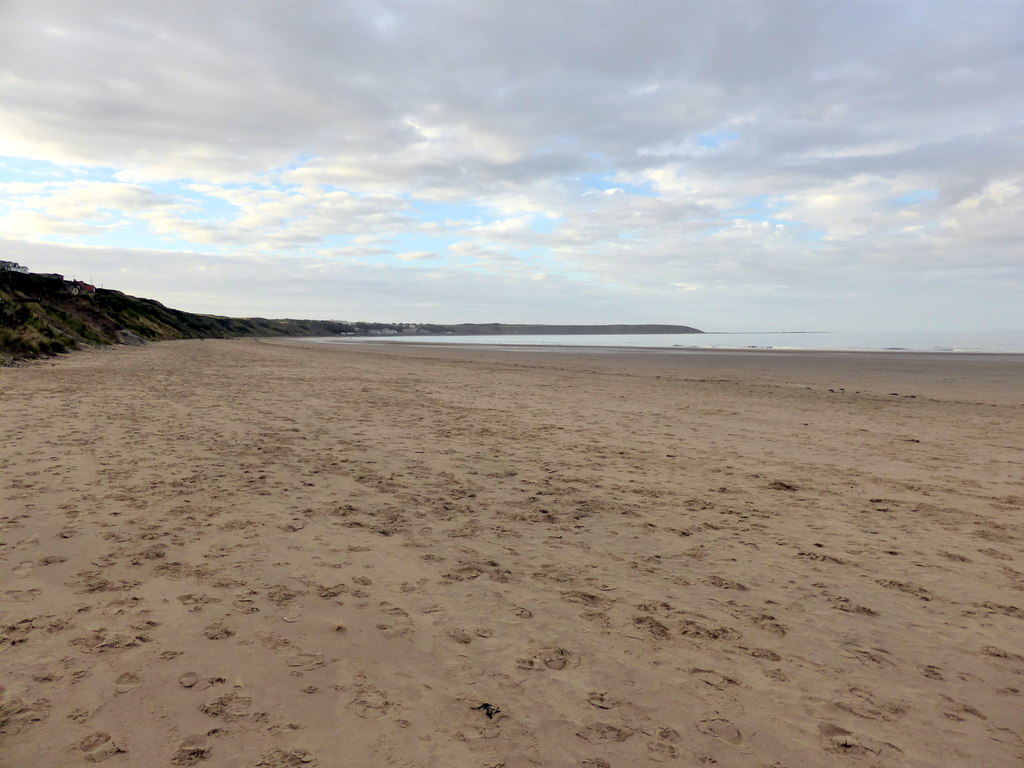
{"points": [[256, 82]]}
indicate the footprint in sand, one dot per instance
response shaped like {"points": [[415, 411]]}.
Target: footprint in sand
{"points": [[218, 632], [868, 705], [399, 625], [905, 586], [659, 751], [603, 733], [18, 714], [662, 733], [549, 658], [228, 707], [97, 747], [653, 626], [480, 722], [305, 660], [598, 618], [22, 595], [279, 758], [188, 680], [602, 699], [768, 623], [714, 679], [23, 569], [126, 682], [935, 673], [192, 750], [48, 669], [665, 748], [872, 657], [459, 635], [246, 603], [720, 728], [844, 742], [720, 583], [585, 598], [196, 602], [370, 703]]}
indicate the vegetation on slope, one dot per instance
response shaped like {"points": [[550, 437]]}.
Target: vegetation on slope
{"points": [[42, 315]]}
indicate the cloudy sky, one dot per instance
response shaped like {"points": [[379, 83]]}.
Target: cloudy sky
{"points": [[762, 165]]}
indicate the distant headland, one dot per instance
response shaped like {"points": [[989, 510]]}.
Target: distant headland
{"points": [[46, 314], [507, 329]]}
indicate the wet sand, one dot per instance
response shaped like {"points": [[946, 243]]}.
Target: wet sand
{"points": [[264, 553]]}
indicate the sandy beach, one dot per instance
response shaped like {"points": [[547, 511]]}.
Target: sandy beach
{"points": [[281, 555]]}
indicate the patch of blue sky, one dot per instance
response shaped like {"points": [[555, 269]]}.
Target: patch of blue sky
{"points": [[299, 160], [208, 207], [543, 225], [540, 259], [424, 210], [434, 247], [914, 197], [106, 238], [766, 208], [335, 241], [136, 235], [644, 190], [174, 243], [469, 214], [29, 170], [716, 139], [806, 234], [759, 208]]}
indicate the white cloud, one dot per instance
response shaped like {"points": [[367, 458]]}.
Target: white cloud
{"points": [[79, 207], [32, 224]]}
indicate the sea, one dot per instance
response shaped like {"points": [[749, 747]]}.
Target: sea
{"points": [[997, 341]]}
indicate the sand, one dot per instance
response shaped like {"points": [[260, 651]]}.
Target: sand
{"points": [[255, 553]]}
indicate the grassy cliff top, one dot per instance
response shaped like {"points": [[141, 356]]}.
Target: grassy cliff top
{"points": [[42, 315]]}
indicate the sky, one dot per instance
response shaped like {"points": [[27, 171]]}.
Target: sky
{"points": [[735, 166]]}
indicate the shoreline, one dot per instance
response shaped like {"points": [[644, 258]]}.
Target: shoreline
{"points": [[586, 348], [652, 348], [252, 552]]}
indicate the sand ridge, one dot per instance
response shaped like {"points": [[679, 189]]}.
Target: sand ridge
{"points": [[250, 553]]}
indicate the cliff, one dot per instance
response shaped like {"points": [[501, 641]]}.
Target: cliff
{"points": [[44, 314]]}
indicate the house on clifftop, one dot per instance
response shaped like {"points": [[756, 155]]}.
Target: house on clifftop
{"points": [[12, 266], [77, 286]]}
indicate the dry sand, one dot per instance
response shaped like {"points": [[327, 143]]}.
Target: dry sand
{"points": [[251, 553]]}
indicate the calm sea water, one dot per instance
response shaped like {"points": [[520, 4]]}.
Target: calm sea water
{"points": [[910, 341]]}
